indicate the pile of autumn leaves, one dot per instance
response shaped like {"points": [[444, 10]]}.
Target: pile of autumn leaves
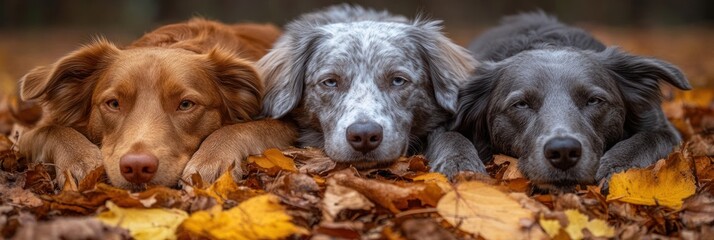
{"points": [[300, 193]]}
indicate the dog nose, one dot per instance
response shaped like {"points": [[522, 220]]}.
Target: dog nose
{"points": [[563, 152], [138, 167], [364, 136]]}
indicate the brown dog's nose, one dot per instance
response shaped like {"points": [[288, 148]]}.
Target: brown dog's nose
{"points": [[563, 152], [364, 136], [138, 167]]}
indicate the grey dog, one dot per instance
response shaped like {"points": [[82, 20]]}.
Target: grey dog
{"points": [[370, 87], [571, 109]]}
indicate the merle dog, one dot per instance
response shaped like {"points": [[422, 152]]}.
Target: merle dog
{"points": [[571, 109], [370, 87]]}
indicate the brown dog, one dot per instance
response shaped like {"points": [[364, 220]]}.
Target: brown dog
{"points": [[144, 110]]}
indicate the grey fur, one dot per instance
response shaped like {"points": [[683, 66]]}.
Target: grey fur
{"points": [[560, 74], [364, 50]]}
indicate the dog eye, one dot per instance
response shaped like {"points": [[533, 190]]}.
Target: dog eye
{"points": [[399, 81], [521, 104], [186, 105], [330, 82], [595, 101], [113, 104]]}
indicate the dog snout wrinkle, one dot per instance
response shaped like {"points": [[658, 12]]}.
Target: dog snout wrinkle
{"points": [[563, 152], [364, 136], [138, 167]]}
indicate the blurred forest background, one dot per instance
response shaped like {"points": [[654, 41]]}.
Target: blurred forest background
{"points": [[37, 32]]}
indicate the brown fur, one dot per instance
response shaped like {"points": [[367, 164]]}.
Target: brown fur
{"points": [[204, 62]]}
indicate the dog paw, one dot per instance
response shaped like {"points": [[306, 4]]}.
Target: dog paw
{"points": [[603, 176], [451, 166], [77, 164], [210, 166]]}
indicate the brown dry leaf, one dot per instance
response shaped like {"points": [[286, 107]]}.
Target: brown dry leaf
{"points": [[698, 210], [512, 171], [393, 196], [704, 168], [338, 198], [38, 180], [666, 184], [144, 223], [19, 196], [425, 228], [71, 228], [69, 183], [92, 179], [479, 208], [260, 217], [155, 196], [312, 160]]}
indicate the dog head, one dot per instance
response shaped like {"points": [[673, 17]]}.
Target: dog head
{"points": [[560, 109], [363, 82], [147, 108]]}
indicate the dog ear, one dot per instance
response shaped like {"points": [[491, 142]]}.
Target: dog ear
{"points": [[66, 86], [473, 110], [638, 80], [448, 64], [239, 85], [283, 71]]}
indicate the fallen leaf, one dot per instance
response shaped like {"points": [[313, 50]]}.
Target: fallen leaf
{"points": [[479, 208], [577, 222], [665, 184], [274, 158], [425, 228], [698, 210], [280, 160], [19, 196], [550, 226], [393, 196], [220, 189], [71, 228], [431, 177], [144, 223], [260, 217], [312, 160], [338, 198], [511, 171], [572, 223], [38, 180]]}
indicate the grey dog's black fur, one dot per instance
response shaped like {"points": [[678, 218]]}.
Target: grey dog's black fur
{"points": [[539, 55]]}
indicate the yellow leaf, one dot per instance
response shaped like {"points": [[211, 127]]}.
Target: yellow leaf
{"points": [[577, 222], [273, 157], [260, 217], [220, 189], [144, 223], [599, 228], [665, 184], [261, 161], [479, 208], [431, 177], [276, 157], [551, 227]]}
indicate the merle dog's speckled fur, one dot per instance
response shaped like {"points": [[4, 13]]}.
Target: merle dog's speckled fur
{"points": [[363, 51], [541, 79]]}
